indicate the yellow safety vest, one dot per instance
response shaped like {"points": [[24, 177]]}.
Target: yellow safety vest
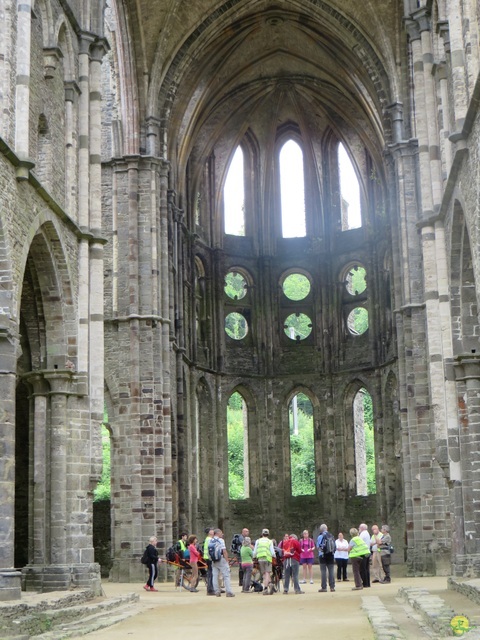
{"points": [[360, 548], [263, 549]]}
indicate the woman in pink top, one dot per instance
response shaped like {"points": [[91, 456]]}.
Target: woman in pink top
{"points": [[194, 556], [306, 557]]}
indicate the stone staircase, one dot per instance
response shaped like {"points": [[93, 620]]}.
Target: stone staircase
{"points": [[415, 613], [59, 615]]}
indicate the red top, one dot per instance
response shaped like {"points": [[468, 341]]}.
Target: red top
{"points": [[292, 549], [194, 554]]}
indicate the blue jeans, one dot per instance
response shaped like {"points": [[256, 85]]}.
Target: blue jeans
{"points": [[291, 568]]}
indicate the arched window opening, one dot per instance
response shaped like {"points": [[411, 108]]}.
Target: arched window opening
{"points": [[364, 443], [302, 448], [292, 190], [349, 192], [237, 444], [234, 196]]}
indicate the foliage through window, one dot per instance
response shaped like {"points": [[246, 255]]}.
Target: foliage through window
{"points": [[236, 326], [296, 286], [298, 326], [357, 321], [237, 443], [102, 490], [356, 281], [235, 285], [302, 448], [364, 443]]}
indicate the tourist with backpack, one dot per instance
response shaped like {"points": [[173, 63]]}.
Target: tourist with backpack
{"points": [[326, 556], [150, 560], [206, 558], [236, 548], [219, 557]]}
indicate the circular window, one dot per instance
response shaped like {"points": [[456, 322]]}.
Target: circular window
{"points": [[235, 285], [298, 326], [356, 281], [296, 286], [236, 326], [357, 321]]}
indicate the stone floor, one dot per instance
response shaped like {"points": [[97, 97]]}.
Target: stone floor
{"points": [[344, 615]]}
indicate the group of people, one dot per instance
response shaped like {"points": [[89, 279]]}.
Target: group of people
{"points": [[369, 555]]}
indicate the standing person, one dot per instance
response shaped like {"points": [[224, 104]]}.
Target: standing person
{"points": [[194, 556], [236, 548], [306, 557], [152, 554], [365, 536], [221, 565], [182, 547], [341, 557], [264, 551], [358, 552], [326, 550], [375, 541], [246, 562], [282, 542], [291, 563], [207, 559], [385, 552]]}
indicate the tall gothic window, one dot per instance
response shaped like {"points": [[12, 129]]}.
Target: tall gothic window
{"points": [[349, 191], [237, 443], [364, 443], [234, 196], [292, 190], [302, 448]]}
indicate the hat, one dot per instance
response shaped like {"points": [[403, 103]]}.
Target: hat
{"points": [[265, 532]]}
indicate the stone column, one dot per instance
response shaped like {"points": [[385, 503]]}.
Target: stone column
{"points": [[10, 588], [22, 92], [467, 559]]}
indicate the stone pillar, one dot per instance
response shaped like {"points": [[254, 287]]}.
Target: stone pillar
{"points": [[22, 92], [9, 578], [466, 561]]}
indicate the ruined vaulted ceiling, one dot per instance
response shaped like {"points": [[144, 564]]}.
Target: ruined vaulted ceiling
{"points": [[201, 63]]}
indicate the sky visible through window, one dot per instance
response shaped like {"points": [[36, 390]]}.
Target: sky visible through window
{"points": [[292, 192], [349, 188]]}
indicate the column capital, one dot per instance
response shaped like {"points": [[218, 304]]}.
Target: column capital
{"points": [[51, 58], [467, 366], [71, 90]]}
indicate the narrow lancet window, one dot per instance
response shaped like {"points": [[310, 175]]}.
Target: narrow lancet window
{"points": [[292, 190], [234, 196], [302, 448], [349, 191], [237, 443], [364, 443]]}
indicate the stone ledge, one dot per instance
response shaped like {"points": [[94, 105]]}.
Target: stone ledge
{"points": [[383, 625], [434, 611]]}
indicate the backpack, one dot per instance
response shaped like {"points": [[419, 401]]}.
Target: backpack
{"points": [[145, 559], [236, 544], [328, 543], [215, 550], [171, 554]]}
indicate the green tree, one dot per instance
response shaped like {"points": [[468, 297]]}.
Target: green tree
{"points": [[102, 490], [235, 444], [369, 442], [302, 448]]}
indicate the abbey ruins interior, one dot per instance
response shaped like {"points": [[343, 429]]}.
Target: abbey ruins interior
{"points": [[121, 123]]}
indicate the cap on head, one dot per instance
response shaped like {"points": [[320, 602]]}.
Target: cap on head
{"points": [[265, 532]]}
